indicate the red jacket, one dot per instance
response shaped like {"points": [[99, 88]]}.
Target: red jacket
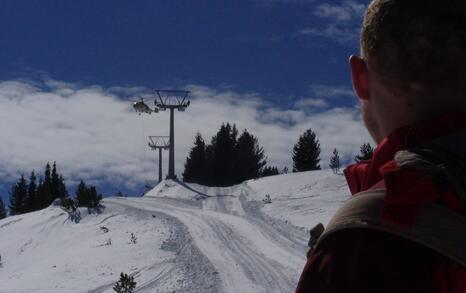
{"points": [[362, 260]]}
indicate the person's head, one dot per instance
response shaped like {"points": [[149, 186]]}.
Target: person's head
{"points": [[413, 62]]}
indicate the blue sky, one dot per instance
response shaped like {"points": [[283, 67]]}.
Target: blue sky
{"points": [[286, 57], [259, 46]]}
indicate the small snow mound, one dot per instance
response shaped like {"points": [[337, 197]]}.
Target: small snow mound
{"points": [[57, 202]]}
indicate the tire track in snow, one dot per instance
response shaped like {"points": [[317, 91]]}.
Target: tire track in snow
{"points": [[268, 275], [277, 230], [247, 258], [197, 272]]}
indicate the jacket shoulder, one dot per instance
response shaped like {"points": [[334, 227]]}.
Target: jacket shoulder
{"points": [[361, 260]]}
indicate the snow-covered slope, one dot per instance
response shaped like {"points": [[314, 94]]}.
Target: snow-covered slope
{"points": [[303, 199], [190, 238]]}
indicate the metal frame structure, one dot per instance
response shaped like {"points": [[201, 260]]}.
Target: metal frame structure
{"points": [[159, 143], [167, 99], [175, 99], [172, 99]]}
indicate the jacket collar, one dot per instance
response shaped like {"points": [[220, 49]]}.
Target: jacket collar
{"points": [[366, 174]]}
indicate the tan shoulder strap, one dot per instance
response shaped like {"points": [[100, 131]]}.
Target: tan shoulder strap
{"points": [[436, 227]]}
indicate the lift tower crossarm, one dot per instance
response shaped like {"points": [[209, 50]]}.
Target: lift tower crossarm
{"points": [[164, 101], [159, 143]]}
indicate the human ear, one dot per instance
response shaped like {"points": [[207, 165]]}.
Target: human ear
{"points": [[360, 77]]}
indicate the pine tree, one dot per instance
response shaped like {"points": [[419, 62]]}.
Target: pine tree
{"points": [[269, 171], [126, 284], [18, 197], [94, 197], [233, 133], [87, 196], [249, 156], [222, 160], [62, 191], [55, 182], [306, 152], [195, 166], [39, 203], [47, 196], [366, 153], [2, 209], [285, 170], [30, 202], [82, 194], [335, 161]]}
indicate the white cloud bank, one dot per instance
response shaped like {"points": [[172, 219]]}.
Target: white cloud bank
{"points": [[342, 22], [331, 92], [94, 134], [344, 12]]}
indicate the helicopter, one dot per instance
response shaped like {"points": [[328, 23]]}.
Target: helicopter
{"points": [[141, 107]]}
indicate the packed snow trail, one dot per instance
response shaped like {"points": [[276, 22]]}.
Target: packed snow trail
{"points": [[190, 238], [190, 269], [248, 255]]}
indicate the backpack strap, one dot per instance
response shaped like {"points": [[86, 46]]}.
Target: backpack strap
{"points": [[436, 227]]}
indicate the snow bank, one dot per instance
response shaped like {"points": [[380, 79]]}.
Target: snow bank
{"points": [[45, 251], [190, 238], [303, 199]]}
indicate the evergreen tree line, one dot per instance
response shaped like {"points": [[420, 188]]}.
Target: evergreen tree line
{"points": [[229, 159], [87, 196], [35, 194], [226, 161], [306, 154]]}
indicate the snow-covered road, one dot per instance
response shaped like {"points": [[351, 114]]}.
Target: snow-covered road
{"points": [[247, 252], [190, 238]]}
